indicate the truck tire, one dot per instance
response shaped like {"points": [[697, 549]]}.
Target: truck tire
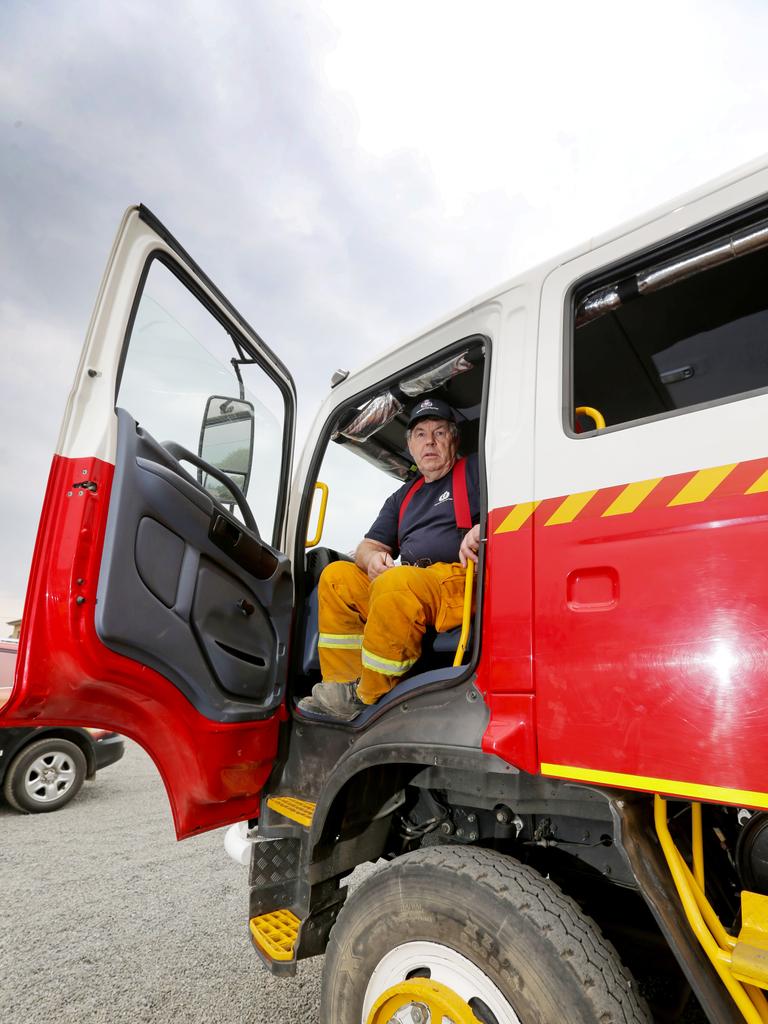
{"points": [[503, 944], [45, 775]]}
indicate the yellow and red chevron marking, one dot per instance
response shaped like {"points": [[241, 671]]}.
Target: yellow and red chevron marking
{"points": [[739, 478]]}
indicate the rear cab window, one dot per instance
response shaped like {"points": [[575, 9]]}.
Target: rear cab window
{"points": [[684, 330]]}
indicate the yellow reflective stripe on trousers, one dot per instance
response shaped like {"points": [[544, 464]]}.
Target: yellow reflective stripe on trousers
{"points": [[345, 641], [385, 666]]}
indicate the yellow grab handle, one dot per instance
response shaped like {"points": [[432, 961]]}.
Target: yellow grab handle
{"points": [[466, 620], [594, 414], [323, 488]]}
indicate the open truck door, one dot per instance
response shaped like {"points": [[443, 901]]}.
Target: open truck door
{"points": [[158, 603]]}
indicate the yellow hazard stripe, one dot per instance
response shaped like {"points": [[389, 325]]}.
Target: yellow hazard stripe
{"points": [[632, 497], [702, 485], [567, 510], [345, 641], [760, 485], [672, 787], [518, 517], [386, 666]]}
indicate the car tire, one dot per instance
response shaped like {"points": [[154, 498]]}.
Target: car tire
{"points": [[45, 775], [470, 935]]}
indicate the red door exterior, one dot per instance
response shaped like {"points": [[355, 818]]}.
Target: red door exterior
{"points": [[213, 763]]}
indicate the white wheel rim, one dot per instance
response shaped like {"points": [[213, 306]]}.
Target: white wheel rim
{"points": [[49, 777], [445, 965]]}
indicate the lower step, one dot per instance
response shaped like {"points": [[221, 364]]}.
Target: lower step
{"points": [[275, 934]]}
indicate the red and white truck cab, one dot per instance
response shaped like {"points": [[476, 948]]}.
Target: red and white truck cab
{"points": [[604, 736]]}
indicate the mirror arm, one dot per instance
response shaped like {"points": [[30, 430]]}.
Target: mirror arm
{"points": [[236, 367]]}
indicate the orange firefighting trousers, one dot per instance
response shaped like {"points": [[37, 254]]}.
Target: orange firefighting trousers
{"points": [[372, 630]]}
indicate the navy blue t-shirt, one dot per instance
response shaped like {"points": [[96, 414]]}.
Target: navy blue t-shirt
{"points": [[428, 530]]}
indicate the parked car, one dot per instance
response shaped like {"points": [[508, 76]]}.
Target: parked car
{"points": [[43, 769]]}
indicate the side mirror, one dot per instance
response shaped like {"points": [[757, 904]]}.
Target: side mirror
{"points": [[226, 442]]}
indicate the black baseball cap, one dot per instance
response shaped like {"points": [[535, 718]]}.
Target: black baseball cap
{"points": [[431, 409]]}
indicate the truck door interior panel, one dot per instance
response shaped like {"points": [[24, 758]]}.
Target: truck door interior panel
{"points": [[175, 597]]}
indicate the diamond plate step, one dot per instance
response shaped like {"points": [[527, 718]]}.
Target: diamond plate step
{"points": [[274, 862]]}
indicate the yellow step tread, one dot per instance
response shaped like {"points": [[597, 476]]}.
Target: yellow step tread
{"points": [[293, 808], [276, 933]]}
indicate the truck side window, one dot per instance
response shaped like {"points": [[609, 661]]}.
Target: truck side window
{"points": [[683, 331]]}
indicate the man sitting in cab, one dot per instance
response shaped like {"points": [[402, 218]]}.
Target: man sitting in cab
{"points": [[373, 613]]}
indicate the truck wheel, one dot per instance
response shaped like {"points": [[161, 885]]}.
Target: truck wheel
{"points": [[45, 775], [468, 935]]}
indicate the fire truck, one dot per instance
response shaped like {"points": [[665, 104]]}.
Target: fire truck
{"points": [[568, 802]]}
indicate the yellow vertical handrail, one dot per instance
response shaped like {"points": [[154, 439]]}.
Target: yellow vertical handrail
{"points": [[697, 845], [323, 488], [466, 619]]}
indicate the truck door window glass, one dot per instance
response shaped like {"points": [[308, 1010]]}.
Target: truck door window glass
{"points": [[686, 331], [178, 356], [356, 491]]}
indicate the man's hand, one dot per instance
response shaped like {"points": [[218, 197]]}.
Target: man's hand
{"points": [[373, 557], [378, 563], [470, 546]]}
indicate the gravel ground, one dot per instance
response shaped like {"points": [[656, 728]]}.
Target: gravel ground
{"points": [[105, 917]]}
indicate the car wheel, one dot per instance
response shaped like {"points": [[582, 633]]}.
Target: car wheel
{"points": [[467, 935], [45, 775]]}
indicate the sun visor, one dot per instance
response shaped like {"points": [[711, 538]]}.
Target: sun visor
{"points": [[436, 376], [375, 414], [383, 408]]}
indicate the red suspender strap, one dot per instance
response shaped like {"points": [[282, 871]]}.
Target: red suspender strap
{"points": [[460, 496], [416, 485]]}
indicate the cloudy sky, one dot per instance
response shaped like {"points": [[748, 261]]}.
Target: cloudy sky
{"points": [[345, 171]]}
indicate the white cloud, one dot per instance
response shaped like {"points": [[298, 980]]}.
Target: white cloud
{"points": [[590, 111]]}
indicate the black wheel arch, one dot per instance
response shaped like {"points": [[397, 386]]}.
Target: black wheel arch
{"points": [[392, 768]]}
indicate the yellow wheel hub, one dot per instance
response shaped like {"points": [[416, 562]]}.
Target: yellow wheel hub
{"points": [[420, 1001]]}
